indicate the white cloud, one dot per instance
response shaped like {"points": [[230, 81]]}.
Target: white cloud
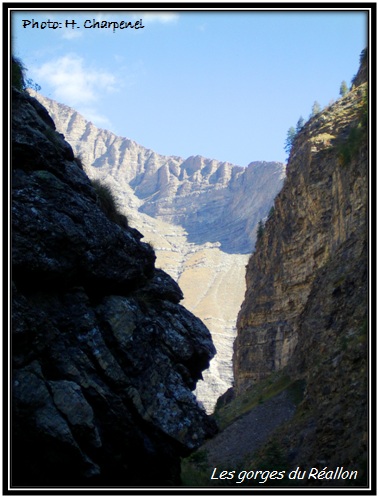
{"points": [[72, 82], [76, 85]]}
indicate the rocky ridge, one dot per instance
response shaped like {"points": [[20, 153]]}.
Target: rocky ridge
{"points": [[213, 201], [199, 214], [322, 206], [104, 358]]}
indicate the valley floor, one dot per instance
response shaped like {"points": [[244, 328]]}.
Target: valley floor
{"points": [[247, 424], [242, 438]]}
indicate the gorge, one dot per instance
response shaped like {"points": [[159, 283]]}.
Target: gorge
{"points": [[105, 359], [199, 214], [301, 354]]}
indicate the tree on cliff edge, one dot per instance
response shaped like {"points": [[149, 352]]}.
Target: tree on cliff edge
{"points": [[291, 134]]}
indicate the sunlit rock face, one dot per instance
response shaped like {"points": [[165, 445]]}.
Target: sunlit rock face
{"points": [[305, 311], [322, 205], [104, 358], [200, 216]]}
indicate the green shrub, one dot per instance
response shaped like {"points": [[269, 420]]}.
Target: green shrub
{"points": [[200, 457], [195, 470], [271, 457], [19, 79], [350, 147], [343, 89], [296, 391], [108, 203], [18, 74], [260, 230], [357, 137]]}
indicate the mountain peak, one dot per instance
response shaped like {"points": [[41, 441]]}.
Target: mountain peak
{"points": [[213, 201]]}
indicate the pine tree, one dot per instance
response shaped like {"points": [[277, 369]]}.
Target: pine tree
{"points": [[29, 83], [260, 230], [316, 108], [300, 124], [363, 56], [291, 134], [18, 73], [343, 89]]}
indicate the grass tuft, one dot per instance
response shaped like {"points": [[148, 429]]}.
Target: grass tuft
{"points": [[108, 203]]}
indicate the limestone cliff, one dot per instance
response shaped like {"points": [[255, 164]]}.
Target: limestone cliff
{"points": [[213, 201], [104, 358], [199, 214], [305, 308]]}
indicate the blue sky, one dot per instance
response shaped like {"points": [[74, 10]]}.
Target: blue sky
{"points": [[224, 85]]}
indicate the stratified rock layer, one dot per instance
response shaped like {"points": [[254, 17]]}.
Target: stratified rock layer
{"points": [[305, 308], [322, 206], [213, 201], [104, 358]]}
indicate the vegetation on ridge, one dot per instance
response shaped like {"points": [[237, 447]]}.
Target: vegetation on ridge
{"points": [[108, 203], [356, 136], [18, 76]]}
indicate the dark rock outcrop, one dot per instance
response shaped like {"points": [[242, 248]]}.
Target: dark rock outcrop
{"points": [[104, 358], [305, 308]]}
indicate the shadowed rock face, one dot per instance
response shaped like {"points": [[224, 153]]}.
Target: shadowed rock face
{"points": [[104, 358]]}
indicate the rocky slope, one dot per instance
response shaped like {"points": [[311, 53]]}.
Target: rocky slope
{"points": [[199, 214], [104, 358], [305, 308]]}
